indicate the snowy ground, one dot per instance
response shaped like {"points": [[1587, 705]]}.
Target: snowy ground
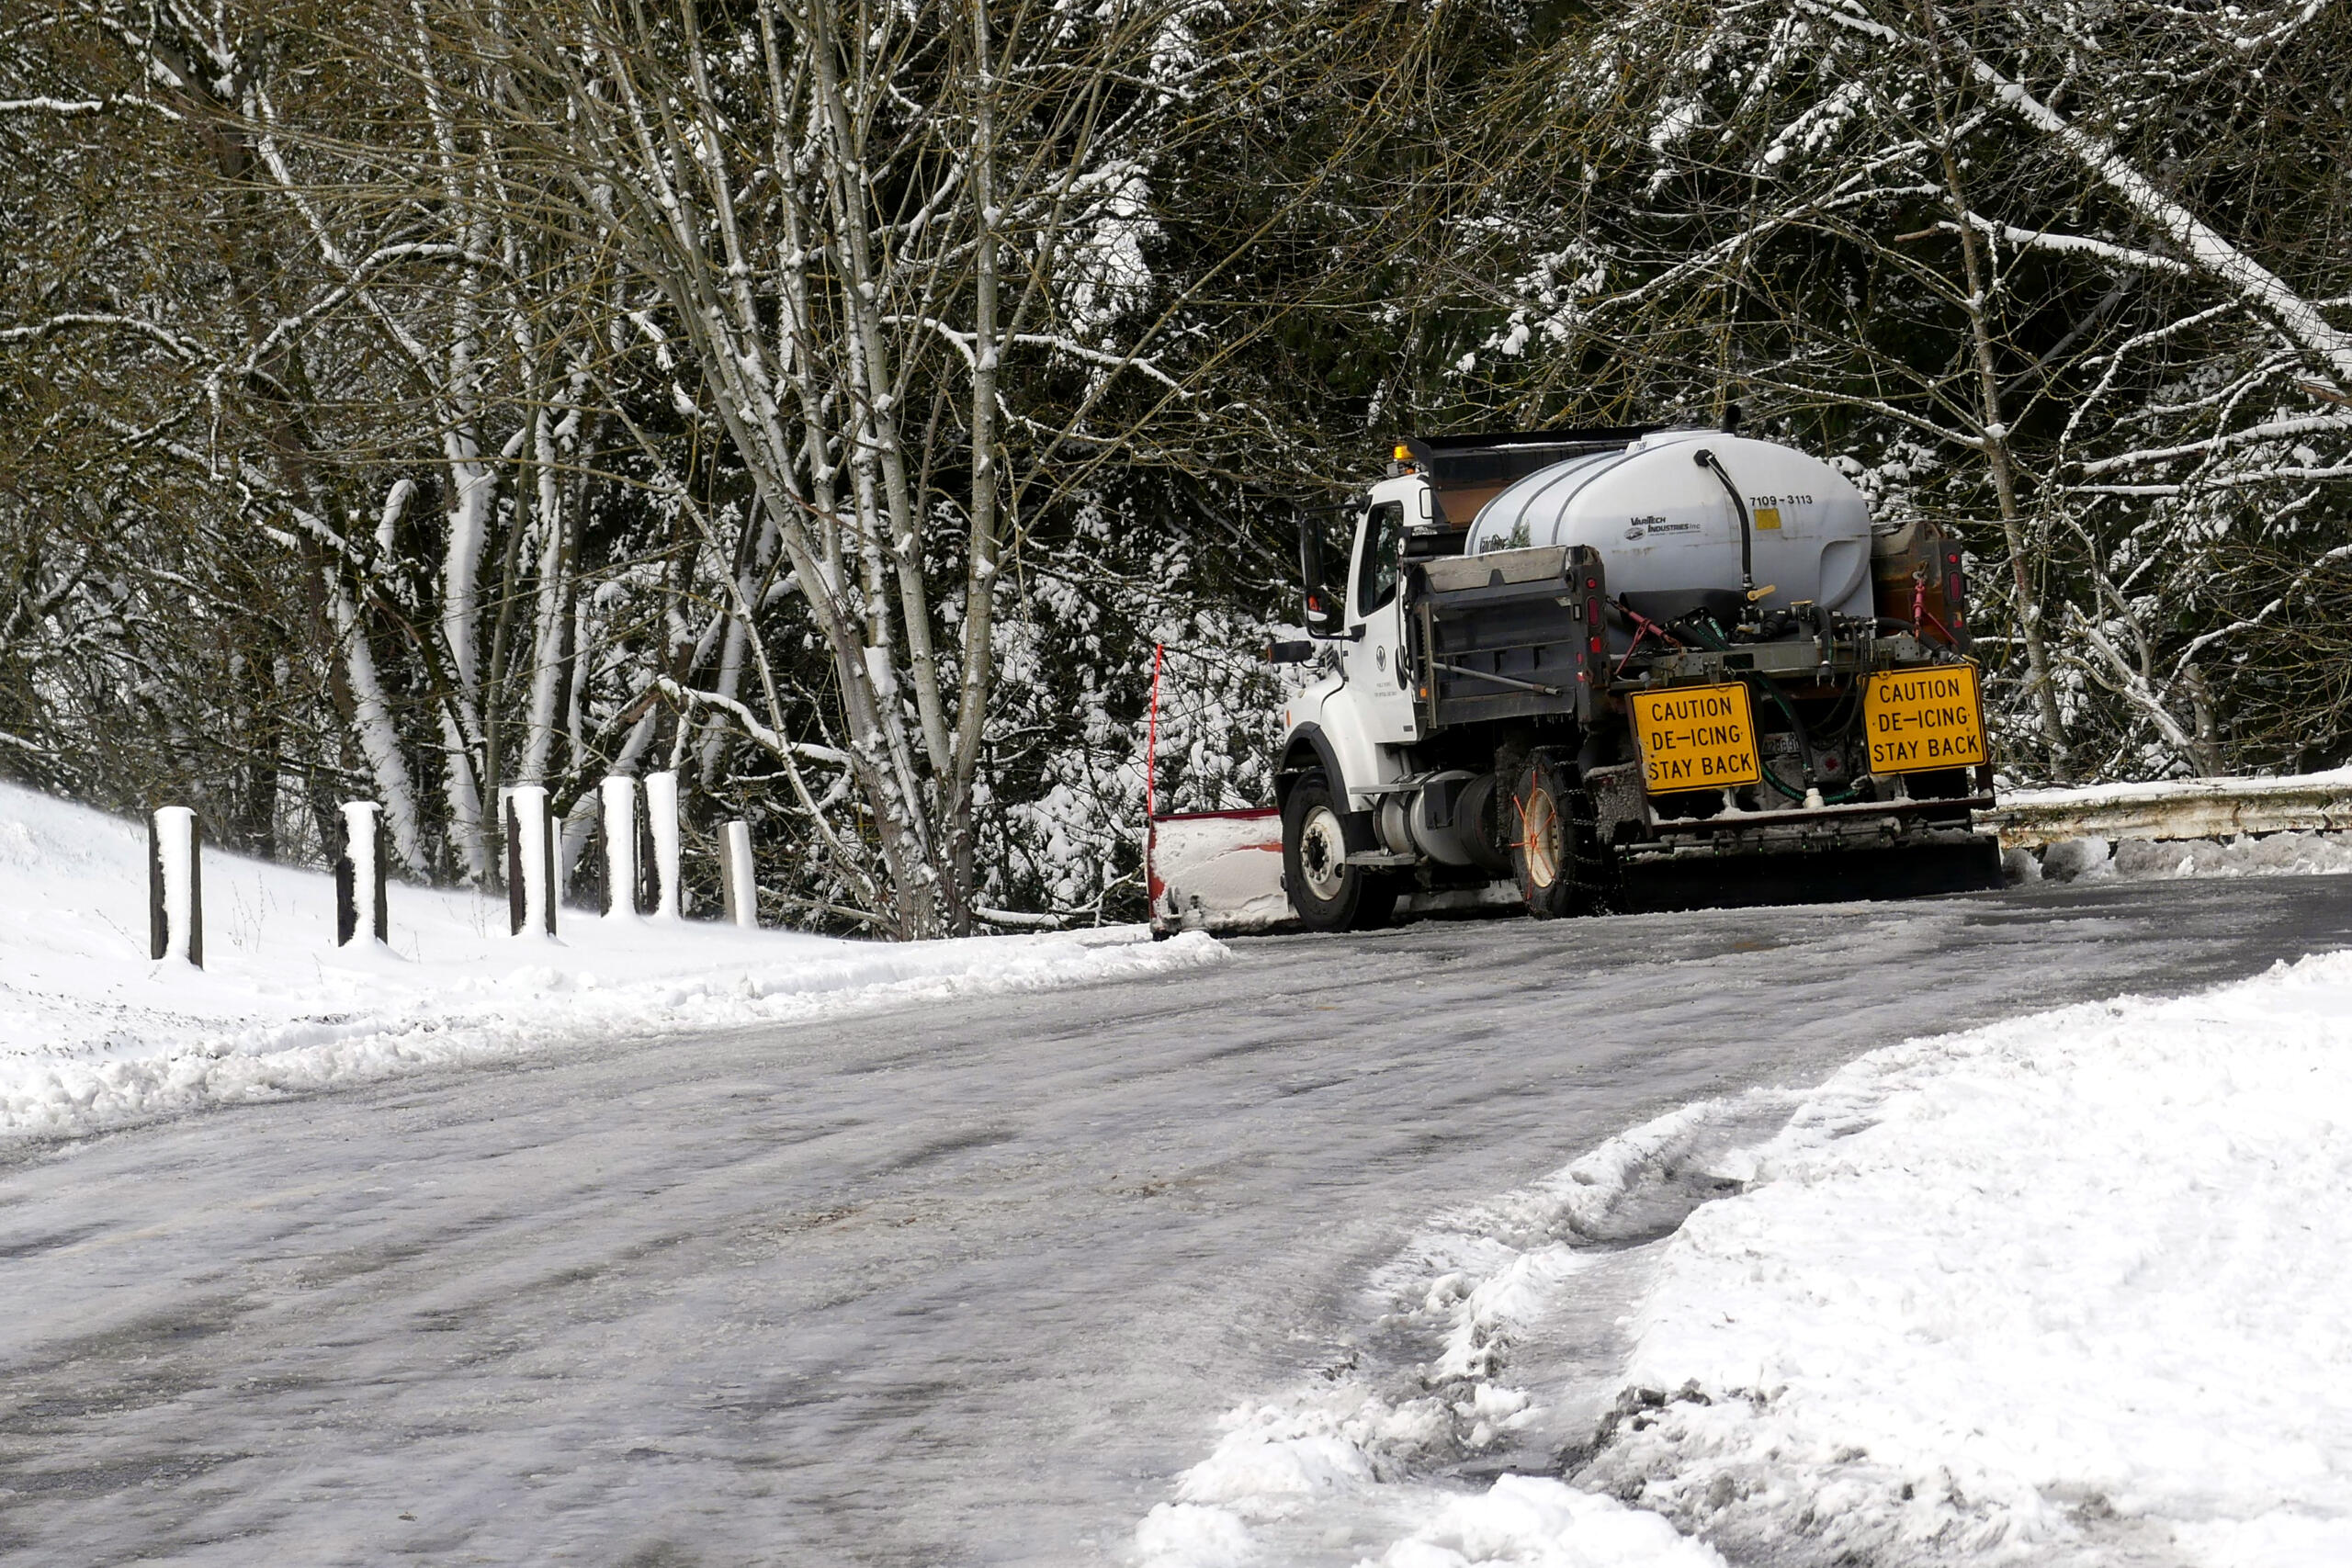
{"points": [[92, 1034], [965, 1281], [2076, 1288]]}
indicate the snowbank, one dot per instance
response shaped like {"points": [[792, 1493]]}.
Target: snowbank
{"points": [[2076, 1288], [2141, 860], [1349, 1467], [1300, 1464], [92, 1034], [2012, 1295]]}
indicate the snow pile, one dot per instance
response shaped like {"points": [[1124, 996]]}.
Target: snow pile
{"points": [[92, 1034], [1355, 1458], [1544, 1524], [2076, 1288], [2019, 1293], [1310, 1461], [2132, 859]]}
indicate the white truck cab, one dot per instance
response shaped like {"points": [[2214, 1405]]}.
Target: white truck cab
{"points": [[1365, 714]]}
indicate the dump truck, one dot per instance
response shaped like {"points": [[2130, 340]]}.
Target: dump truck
{"points": [[1577, 671]]}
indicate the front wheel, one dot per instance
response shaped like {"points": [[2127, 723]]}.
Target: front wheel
{"points": [[1329, 894], [1557, 853]]}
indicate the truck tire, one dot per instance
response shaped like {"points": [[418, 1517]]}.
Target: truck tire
{"points": [[1328, 893], [1556, 852]]}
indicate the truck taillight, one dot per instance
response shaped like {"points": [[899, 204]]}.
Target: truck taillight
{"points": [[1586, 567]]}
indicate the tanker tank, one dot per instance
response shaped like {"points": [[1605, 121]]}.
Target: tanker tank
{"points": [[1670, 535]]}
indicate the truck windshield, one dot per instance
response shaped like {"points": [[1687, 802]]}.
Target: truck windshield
{"points": [[1383, 536]]}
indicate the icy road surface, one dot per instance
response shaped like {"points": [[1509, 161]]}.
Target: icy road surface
{"points": [[962, 1284]]}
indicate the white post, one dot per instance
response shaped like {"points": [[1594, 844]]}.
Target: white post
{"points": [[662, 811], [735, 874], [619, 795], [175, 887], [359, 904], [530, 862]]}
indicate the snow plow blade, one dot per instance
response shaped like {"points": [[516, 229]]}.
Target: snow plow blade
{"points": [[1222, 872], [1216, 871]]}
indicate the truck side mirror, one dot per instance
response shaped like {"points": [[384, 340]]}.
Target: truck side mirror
{"points": [[1323, 615]]}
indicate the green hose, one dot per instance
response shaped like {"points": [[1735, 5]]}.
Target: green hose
{"points": [[1773, 690]]}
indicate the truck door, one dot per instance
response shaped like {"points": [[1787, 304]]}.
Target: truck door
{"points": [[1375, 663]]}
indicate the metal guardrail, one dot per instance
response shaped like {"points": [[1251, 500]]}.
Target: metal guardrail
{"points": [[2191, 808]]}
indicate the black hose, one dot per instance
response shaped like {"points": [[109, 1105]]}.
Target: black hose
{"points": [[1841, 717], [1705, 458]]}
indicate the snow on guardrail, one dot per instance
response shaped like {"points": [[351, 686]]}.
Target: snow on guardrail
{"points": [[2176, 808]]}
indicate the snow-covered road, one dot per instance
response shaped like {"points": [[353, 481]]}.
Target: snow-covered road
{"points": [[964, 1283]]}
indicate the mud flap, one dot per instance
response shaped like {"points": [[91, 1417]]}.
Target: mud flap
{"points": [[1861, 874]]}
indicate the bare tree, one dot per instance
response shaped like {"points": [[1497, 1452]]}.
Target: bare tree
{"points": [[902, 267]]}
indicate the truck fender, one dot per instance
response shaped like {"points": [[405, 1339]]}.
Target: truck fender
{"points": [[1309, 751]]}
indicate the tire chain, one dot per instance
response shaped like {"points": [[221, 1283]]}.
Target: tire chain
{"points": [[1594, 877]]}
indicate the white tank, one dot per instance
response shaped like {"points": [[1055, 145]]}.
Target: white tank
{"points": [[1664, 523]]}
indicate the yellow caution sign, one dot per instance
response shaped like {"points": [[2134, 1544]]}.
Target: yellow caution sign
{"points": [[1696, 737], [1924, 719]]}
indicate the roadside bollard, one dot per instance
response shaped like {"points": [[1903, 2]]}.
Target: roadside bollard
{"points": [[735, 874], [661, 817], [175, 886], [530, 860], [618, 796], [360, 912]]}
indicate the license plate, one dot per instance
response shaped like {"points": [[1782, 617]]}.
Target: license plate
{"points": [[1696, 737], [1924, 719]]}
